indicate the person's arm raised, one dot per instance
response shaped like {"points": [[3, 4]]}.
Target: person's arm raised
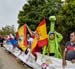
{"points": [[29, 30]]}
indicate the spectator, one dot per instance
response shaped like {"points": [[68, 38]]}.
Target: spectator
{"points": [[69, 51]]}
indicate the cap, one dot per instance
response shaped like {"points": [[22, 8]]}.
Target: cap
{"points": [[51, 32]]}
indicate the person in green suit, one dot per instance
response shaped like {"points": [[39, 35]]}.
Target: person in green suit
{"points": [[54, 39], [54, 44]]}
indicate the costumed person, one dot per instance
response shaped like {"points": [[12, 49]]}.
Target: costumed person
{"points": [[54, 39], [69, 51]]}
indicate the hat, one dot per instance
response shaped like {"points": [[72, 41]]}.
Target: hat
{"points": [[51, 32]]}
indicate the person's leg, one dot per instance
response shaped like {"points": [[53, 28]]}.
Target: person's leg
{"points": [[36, 49], [20, 50], [1, 44], [26, 51]]}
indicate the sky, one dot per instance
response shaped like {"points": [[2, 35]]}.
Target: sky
{"points": [[9, 10]]}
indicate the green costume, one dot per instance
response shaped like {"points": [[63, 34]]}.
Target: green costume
{"points": [[53, 45]]}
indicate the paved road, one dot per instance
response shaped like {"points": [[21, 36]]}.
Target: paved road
{"points": [[8, 61]]}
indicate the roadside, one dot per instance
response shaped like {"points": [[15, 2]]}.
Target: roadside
{"points": [[8, 61]]}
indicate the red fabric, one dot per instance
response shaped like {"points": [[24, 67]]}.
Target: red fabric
{"points": [[17, 35], [42, 32], [71, 48], [43, 40], [33, 37], [36, 49], [42, 22], [42, 43], [25, 35]]}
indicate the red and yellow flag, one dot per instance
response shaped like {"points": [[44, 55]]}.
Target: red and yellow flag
{"points": [[43, 37], [22, 31], [42, 31]]}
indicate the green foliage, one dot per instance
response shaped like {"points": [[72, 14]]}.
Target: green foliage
{"points": [[7, 30], [66, 17], [35, 10]]}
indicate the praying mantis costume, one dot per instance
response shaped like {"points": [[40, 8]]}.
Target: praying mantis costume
{"points": [[53, 44]]}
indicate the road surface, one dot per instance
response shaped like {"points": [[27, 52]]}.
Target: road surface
{"points": [[8, 61]]}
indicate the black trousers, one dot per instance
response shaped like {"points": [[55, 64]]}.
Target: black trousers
{"points": [[51, 54]]}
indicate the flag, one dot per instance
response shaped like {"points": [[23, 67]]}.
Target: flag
{"points": [[43, 37], [34, 43], [22, 31], [42, 31], [17, 35]]}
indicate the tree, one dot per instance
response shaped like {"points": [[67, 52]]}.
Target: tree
{"points": [[7, 30], [35, 10], [66, 17]]}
